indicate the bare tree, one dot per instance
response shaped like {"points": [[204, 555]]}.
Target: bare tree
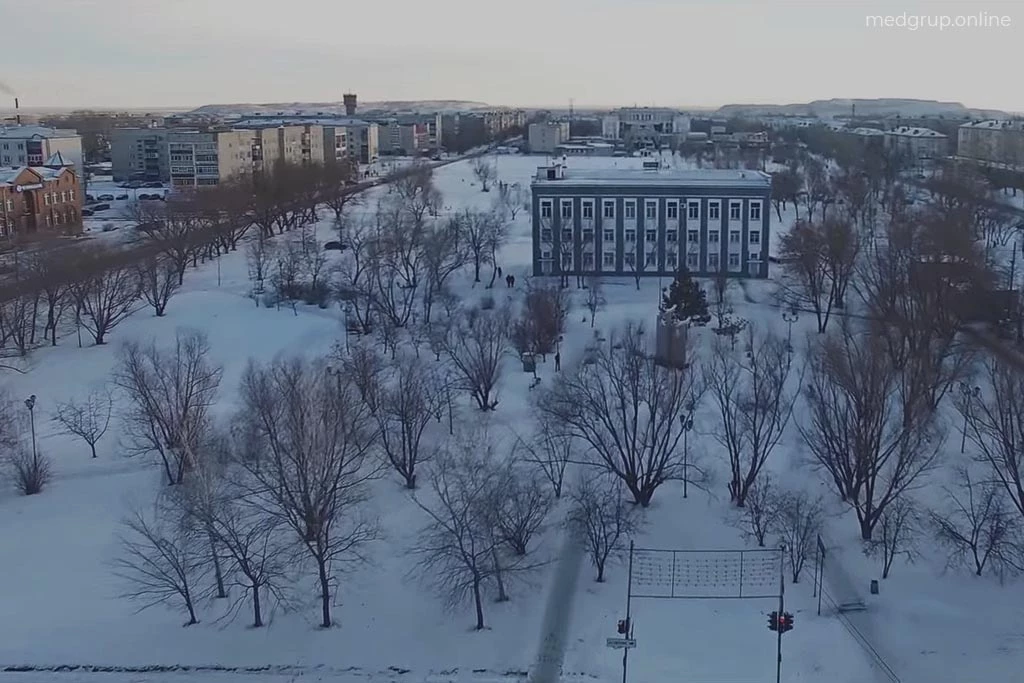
{"points": [[161, 560], [799, 522], [51, 267], [31, 469], [759, 515], [485, 172], [549, 450], [871, 431], [821, 259], [478, 229], [314, 439], [521, 509], [595, 297], [542, 320], [753, 404], [976, 527], [174, 228], [476, 349], [105, 295], [457, 548], [88, 419], [169, 392], [627, 408], [899, 526], [721, 284], [511, 199], [995, 422], [444, 254], [604, 517], [158, 282], [354, 275], [258, 256]]}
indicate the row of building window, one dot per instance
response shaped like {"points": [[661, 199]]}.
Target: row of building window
{"points": [[651, 260], [51, 197], [692, 236], [651, 210]]}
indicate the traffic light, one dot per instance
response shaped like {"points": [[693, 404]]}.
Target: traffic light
{"points": [[773, 621], [624, 627], [786, 622]]}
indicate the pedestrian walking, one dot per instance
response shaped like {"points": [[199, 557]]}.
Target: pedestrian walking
{"points": [[558, 361], [499, 271]]}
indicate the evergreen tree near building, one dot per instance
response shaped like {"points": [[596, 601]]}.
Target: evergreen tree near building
{"points": [[685, 300]]}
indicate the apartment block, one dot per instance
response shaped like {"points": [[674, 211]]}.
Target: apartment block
{"points": [[645, 126], [545, 137], [140, 154], [204, 159], [33, 145], [919, 145], [650, 221], [992, 143], [342, 138], [39, 198]]}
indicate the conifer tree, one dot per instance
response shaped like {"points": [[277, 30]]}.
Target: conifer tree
{"points": [[686, 300]]}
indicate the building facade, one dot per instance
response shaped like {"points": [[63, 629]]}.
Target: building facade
{"points": [[140, 154], [348, 138], [199, 159], [33, 145], [650, 222], [544, 137], [645, 126], [919, 145], [34, 199], [992, 143]]}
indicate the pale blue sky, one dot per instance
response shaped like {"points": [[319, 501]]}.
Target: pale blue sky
{"points": [[129, 53]]}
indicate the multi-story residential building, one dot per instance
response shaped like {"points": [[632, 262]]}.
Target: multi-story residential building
{"points": [[919, 145], [302, 143], [38, 198], [992, 143], [33, 145], [650, 222], [396, 136], [544, 137], [347, 138], [498, 121], [203, 159], [140, 154], [645, 126], [866, 137]]}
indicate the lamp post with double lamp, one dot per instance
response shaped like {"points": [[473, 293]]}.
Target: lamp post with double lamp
{"points": [[790, 316], [30, 403], [969, 393], [686, 422]]}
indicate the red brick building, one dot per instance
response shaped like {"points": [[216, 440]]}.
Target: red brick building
{"points": [[34, 199]]}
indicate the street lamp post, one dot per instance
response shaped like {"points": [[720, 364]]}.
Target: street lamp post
{"points": [[686, 422], [969, 393], [30, 403], [790, 316]]}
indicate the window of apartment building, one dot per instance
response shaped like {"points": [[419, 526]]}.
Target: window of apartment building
{"points": [[566, 261], [693, 210], [651, 236], [609, 235], [755, 211], [608, 258], [588, 210], [631, 235], [692, 236], [713, 261], [566, 234], [755, 237], [588, 260], [670, 235], [734, 237], [734, 211], [629, 258], [713, 236], [588, 235], [691, 260], [630, 210], [670, 259], [545, 208], [566, 208], [652, 259], [651, 210], [546, 254], [545, 234], [714, 211], [734, 261], [672, 211], [609, 208], [754, 267]]}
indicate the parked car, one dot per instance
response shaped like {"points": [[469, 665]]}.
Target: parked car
{"points": [[155, 183], [86, 212], [99, 207], [335, 246], [122, 197], [144, 197], [89, 198], [106, 198]]}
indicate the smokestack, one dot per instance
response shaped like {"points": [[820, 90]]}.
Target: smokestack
{"points": [[17, 116]]}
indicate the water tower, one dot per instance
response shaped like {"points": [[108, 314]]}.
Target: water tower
{"points": [[350, 104]]}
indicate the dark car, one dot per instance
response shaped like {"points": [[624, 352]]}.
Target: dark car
{"points": [[106, 198], [155, 183], [99, 207], [122, 196], [335, 246], [86, 212], [89, 198], [144, 197]]}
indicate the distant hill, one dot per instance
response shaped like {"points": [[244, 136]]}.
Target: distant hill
{"points": [[336, 107], [882, 108]]}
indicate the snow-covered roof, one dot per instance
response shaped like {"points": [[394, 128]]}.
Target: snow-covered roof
{"points": [[660, 177], [57, 160], [341, 121], [995, 124], [866, 132], [911, 131], [24, 132], [10, 174]]}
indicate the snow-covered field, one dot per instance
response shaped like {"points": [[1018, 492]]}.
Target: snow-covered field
{"points": [[59, 597]]}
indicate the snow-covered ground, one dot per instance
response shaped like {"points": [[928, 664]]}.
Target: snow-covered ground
{"points": [[60, 602]]}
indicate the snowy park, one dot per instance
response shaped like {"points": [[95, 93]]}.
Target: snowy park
{"points": [[425, 404]]}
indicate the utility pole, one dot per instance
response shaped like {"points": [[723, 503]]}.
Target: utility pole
{"points": [[782, 611], [629, 621]]}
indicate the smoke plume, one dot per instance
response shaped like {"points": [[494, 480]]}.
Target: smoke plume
{"points": [[7, 90]]}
